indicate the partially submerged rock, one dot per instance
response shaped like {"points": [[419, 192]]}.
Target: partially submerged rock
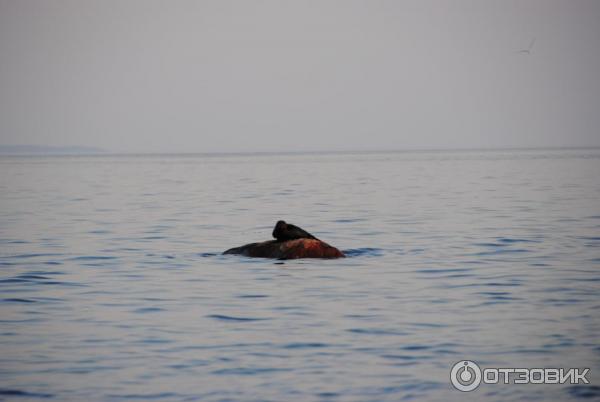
{"points": [[289, 249]]}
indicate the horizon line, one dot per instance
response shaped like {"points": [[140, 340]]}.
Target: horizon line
{"points": [[95, 151]]}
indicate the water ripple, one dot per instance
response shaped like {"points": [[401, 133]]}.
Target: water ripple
{"points": [[17, 300], [305, 345], [584, 391], [365, 251], [232, 318], [247, 371], [158, 395], [24, 394]]}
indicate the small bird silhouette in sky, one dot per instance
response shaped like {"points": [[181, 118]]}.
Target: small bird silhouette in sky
{"points": [[529, 48]]}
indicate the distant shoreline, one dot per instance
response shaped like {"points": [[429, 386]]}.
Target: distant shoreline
{"points": [[32, 150], [35, 150]]}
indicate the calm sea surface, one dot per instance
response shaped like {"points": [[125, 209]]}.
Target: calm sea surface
{"points": [[112, 286]]}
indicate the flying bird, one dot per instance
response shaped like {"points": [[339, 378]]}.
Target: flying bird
{"points": [[529, 48]]}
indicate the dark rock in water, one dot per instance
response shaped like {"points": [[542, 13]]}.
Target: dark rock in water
{"points": [[289, 249], [286, 231], [292, 242]]}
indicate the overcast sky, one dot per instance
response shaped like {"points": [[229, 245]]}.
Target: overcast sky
{"points": [[206, 76]]}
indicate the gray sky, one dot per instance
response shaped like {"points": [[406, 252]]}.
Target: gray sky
{"points": [[205, 76]]}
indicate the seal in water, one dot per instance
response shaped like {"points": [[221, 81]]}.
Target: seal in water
{"points": [[291, 242], [286, 231], [290, 249]]}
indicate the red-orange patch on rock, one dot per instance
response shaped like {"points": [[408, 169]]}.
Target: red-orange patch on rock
{"points": [[290, 249]]}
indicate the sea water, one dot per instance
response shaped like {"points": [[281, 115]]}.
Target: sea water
{"points": [[112, 285]]}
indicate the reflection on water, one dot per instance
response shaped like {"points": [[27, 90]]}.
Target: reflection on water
{"points": [[113, 286]]}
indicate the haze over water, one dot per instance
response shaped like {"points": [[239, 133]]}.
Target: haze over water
{"points": [[113, 287]]}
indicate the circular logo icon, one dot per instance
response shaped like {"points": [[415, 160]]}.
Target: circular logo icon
{"points": [[465, 375]]}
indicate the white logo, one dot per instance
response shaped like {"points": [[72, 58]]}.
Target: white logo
{"points": [[465, 375]]}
